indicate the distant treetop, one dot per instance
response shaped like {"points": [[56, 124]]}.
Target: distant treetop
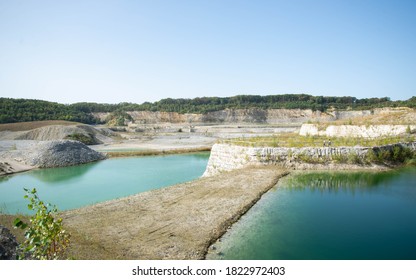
{"points": [[21, 110]]}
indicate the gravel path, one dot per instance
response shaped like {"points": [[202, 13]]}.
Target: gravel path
{"points": [[178, 222]]}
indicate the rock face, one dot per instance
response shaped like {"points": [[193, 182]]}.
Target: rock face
{"points": [[253, 115], [371, 131], [256, 115], [45, 154], [225, 157], [8, 244]]}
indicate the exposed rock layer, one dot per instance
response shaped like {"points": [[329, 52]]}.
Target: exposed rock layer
{"points": [[225, 157], [254, 115]]}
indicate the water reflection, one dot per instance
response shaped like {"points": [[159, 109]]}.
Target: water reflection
{"points": [[339, 180], [329, 215], [63, 174], [5, 178], [76, 186]]}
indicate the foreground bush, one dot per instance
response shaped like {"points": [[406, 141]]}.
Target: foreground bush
{"points": [[45, 238]]}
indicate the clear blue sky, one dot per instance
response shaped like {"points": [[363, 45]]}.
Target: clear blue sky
{"points": [[135, 51]]}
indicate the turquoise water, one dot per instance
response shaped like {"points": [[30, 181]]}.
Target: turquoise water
{"points": [[76, 186], [323, 216]]}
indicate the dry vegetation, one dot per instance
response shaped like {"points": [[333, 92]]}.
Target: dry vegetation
{"points": [[113, 154], [293, 140], [23, 126], [392, 116]]}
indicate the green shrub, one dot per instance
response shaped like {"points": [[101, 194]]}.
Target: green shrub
{"points": [[384, 156], [340, 158], [310, 159], [86, 139], [411, 162], [118, 118], [354, 158], [401, 154], [268, 156], [45, 238], [371, 157], [397, 154]]}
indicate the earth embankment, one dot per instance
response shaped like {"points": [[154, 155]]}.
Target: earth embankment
{"points": [[55, 130], [178, 222]]}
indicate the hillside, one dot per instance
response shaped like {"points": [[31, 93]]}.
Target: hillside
{"points": [[22, 126], [55, 130], [207, 108]]}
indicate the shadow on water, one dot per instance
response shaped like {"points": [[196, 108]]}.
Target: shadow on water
{"points": [[200, 155], [62, 174], [4, 179]]}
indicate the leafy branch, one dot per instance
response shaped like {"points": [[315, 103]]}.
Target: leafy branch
{"points": [[45, 238]]}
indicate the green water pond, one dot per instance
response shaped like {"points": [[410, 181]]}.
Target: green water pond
{"points": [[77, 186], [328, 216]]}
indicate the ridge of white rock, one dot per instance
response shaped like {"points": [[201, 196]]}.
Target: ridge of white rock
{"points": [[226, 157]]}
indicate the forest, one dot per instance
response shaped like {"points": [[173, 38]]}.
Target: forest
{"points": [[22, 110]]}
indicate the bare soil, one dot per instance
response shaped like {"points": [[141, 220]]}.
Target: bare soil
{"points": [[23, 126], [10, 166], [178, 222]]}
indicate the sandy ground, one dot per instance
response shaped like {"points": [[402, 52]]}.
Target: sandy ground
{"points": [[9, 166], [160, 142], [202, 136], [178, 222]]}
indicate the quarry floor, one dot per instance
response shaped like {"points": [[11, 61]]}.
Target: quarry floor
{"points": [[177, 222]]}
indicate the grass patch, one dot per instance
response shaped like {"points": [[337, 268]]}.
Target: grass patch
{"points": [[293, 140], [395, 116], [23, 126], [86, 139], [115, 154]]}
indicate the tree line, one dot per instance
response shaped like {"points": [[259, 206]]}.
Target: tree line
{"points": [[26, 110], [20, 110]]}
